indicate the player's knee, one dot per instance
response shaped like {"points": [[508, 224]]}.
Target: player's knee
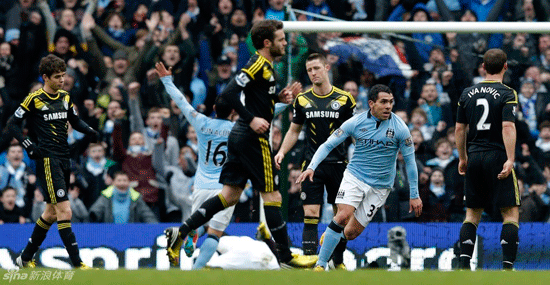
{"points": [[343, 217], [274, 196], [311, 210], [64, 212]]}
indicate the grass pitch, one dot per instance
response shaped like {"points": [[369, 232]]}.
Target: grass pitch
{"points": [[283, 277]]}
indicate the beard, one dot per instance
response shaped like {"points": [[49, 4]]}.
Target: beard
{"points": [[276, 52]]}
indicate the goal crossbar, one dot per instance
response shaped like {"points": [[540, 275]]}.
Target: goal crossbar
{"points": [[416, 27]]}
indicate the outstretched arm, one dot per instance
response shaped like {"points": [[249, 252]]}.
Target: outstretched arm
{"points": [[188, 111]]}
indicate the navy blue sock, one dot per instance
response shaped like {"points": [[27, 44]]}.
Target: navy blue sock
{"points": [[37, 237], [207, 210], [509, 241], [467, 243], [310, 238]]}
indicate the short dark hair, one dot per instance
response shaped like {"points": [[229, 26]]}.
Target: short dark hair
{"points": [[377, 89], [7, 188], [494, 60], [118, 173], [223, 108], [51, 64], [545, 124], [321, 57], [264, 30]]}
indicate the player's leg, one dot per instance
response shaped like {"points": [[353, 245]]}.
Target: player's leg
{"points": [[216, 226], [312, 198], [509, 236], [478, 194], [310, 233], [334, 233], [507, 199], [227, 198], [468, 233], [274, 220], [38, 235], [353, 229], [333, 180]]}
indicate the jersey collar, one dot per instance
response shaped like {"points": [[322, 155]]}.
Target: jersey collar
{"points": [[49, 95], [266, 60], [322, 96]]}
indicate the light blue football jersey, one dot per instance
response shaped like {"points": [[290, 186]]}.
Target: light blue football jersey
{"points": [[376, 146], [212, 137]]}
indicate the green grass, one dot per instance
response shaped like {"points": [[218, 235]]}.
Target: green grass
{"points": [[363, 277]]}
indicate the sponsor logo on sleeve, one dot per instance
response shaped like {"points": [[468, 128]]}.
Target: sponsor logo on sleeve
{"points": [[19, 113], [242, 79]]}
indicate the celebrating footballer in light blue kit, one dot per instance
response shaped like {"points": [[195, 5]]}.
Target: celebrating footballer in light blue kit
{"points": [[212, 139], [379, 136]]}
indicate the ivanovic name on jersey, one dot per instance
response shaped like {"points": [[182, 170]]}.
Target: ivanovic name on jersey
{"points": [[322, 114], [55, 116], [484, 89]]}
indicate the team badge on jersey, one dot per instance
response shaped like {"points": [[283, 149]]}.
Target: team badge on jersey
{"points": [[335, 105], [60, 193], [390, 133], [409, 141], [66, 105]]}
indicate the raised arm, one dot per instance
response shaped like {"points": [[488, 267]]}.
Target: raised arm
{"points": [[51, 25], [188, 111]]}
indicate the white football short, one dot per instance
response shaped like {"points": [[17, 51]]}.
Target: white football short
{"points": [[221, 220], [366, 199]]}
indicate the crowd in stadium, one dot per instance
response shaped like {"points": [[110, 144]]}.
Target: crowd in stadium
{"points": [[111, 48]]}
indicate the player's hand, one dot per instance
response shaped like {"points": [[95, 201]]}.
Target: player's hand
{"points": [[306, 174], [416, 206], [31, 149], [506, 169], [162, 71], [259, 125], [462, 165], [279, 159]]}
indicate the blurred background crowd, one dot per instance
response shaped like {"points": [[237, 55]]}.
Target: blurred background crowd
{"points": [[149, 150]]}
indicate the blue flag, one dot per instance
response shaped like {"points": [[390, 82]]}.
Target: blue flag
{"points": [[377, 55]]}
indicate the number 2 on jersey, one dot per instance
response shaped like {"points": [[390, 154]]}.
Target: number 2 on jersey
{"points": [[481, 125], [217, 152]]}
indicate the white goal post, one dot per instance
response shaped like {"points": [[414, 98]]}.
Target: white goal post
{"points": [[416, 27]]}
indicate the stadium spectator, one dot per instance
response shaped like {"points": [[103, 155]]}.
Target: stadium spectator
{"points": [[95, 173], [10, 212], [138, 162], [436, 198], [121, 204], [439, 114], [154, 129], [15, 173]]}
